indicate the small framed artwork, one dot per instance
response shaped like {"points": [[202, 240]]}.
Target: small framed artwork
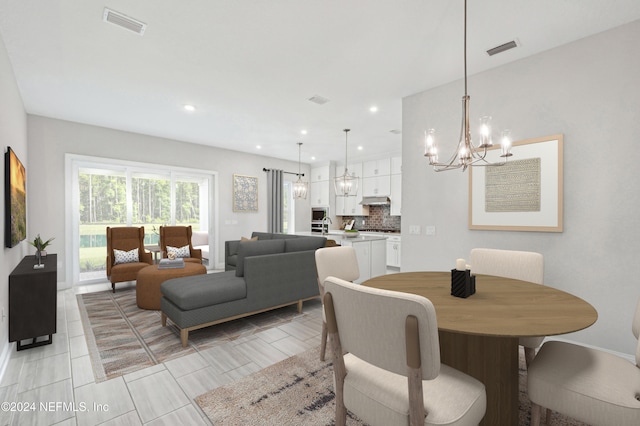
{"points": [[524, 194], [245, 193]]}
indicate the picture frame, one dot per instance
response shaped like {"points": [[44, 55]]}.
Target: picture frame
{"points": [[525, 194], [245, 193], [15, 193]]}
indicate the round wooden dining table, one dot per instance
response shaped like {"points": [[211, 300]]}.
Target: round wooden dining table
{"points": [[479, 334]]}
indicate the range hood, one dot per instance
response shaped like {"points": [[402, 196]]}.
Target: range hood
{"points": [[375, 201]]}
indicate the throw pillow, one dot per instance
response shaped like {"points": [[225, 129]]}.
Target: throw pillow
{"points": [[248, 239], [122, 256], [179, 251]]}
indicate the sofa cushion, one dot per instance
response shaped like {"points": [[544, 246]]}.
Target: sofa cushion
{"points": [[256, 248], [303, 244], [262, 235], [204, 290], [285, 236]]}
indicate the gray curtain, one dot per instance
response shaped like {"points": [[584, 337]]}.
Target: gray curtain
{"points": [[274, 200]]}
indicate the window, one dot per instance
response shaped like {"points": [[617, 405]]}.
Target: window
{"points": [[110, 193]]}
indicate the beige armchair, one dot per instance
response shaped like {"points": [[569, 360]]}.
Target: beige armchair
{"points": [[590, 385], [125, 239], [178, 237], [519, 265], [386, 360], [335, 261]]}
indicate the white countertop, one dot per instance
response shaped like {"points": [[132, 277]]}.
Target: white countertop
{"points": [[339, 235]]}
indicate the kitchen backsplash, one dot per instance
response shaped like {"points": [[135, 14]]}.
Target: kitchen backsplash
{"points": [[379, 218]]}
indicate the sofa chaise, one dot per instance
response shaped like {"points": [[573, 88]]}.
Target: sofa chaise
{"points": [[270, 273]]}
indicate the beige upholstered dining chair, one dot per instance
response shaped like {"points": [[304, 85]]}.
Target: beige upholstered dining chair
{"points": [[125, 254], [519, 265], [340, 262], [590, 385], [386, 360]]}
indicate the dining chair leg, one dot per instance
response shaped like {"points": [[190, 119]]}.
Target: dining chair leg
{"points": [[535, 414], [323, 344], [529, 354]]}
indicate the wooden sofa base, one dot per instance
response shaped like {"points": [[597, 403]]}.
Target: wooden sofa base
{"points": [[184, 332]]}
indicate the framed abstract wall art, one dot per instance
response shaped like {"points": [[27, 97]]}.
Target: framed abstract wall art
{"points": [[15, 201], [245, 193], [524, 194]]}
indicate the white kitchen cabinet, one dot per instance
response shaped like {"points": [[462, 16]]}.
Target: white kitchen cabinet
{"points": [[321, 186], [376, 168], [396, 165], [319, 193], [350, 206], [395, 195], [371, 255], [394, 250], [376, 186], [319, 174]]}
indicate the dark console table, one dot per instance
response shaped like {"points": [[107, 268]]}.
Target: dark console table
{"points": [[32, 301]]}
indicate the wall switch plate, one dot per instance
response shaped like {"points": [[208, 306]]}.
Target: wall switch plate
{"points": [[414, 229], [430, 230]]}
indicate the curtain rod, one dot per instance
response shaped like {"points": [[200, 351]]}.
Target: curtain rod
{"points": [[289, 173]]}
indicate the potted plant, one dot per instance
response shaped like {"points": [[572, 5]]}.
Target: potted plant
{"points": [[40, 246]]}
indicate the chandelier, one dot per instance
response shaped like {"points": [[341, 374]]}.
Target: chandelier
{"points": [[346, 185], [300, 187], [467, 154]]}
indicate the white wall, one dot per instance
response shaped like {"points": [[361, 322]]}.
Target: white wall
{"points": [[587, 90], [50, 139], [13, 133]]}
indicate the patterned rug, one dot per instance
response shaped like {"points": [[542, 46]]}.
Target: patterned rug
{"points": [[299, 391], [123, 338]]}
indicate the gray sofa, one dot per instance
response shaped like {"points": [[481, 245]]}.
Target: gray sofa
{"points": [[270, 273], [231, 247]]}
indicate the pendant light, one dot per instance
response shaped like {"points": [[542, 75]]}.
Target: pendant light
{"points": [[300, 188], [346, 185]]}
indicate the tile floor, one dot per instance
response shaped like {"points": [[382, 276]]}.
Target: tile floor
{"points": [[55, 385]]}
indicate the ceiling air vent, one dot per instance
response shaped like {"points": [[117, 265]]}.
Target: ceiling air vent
{"points": [[317, 99], [502, 48], [123, 21]]}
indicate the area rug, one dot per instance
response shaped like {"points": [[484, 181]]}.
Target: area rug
{"points": [[299, 391], [123, 338]]}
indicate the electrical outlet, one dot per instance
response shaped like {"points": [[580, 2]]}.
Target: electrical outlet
{"points": [[414, 229], [3, 314], [430, 230]]}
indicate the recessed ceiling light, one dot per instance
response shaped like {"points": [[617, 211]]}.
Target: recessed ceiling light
{"points": [[373, 108], [304, 132], [313, 158], [189, 108], [258, 147], [360, 148]]}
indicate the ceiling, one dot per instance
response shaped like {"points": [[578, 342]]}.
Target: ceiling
{"points": [[250, 66]]}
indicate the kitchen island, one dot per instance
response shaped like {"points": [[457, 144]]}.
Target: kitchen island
{"points": [[371, 251]]}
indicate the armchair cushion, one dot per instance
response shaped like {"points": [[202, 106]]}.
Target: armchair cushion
{"points": [[124, 256]]}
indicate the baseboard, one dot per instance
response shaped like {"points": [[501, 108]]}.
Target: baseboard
{"points": [[628, 357]]}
